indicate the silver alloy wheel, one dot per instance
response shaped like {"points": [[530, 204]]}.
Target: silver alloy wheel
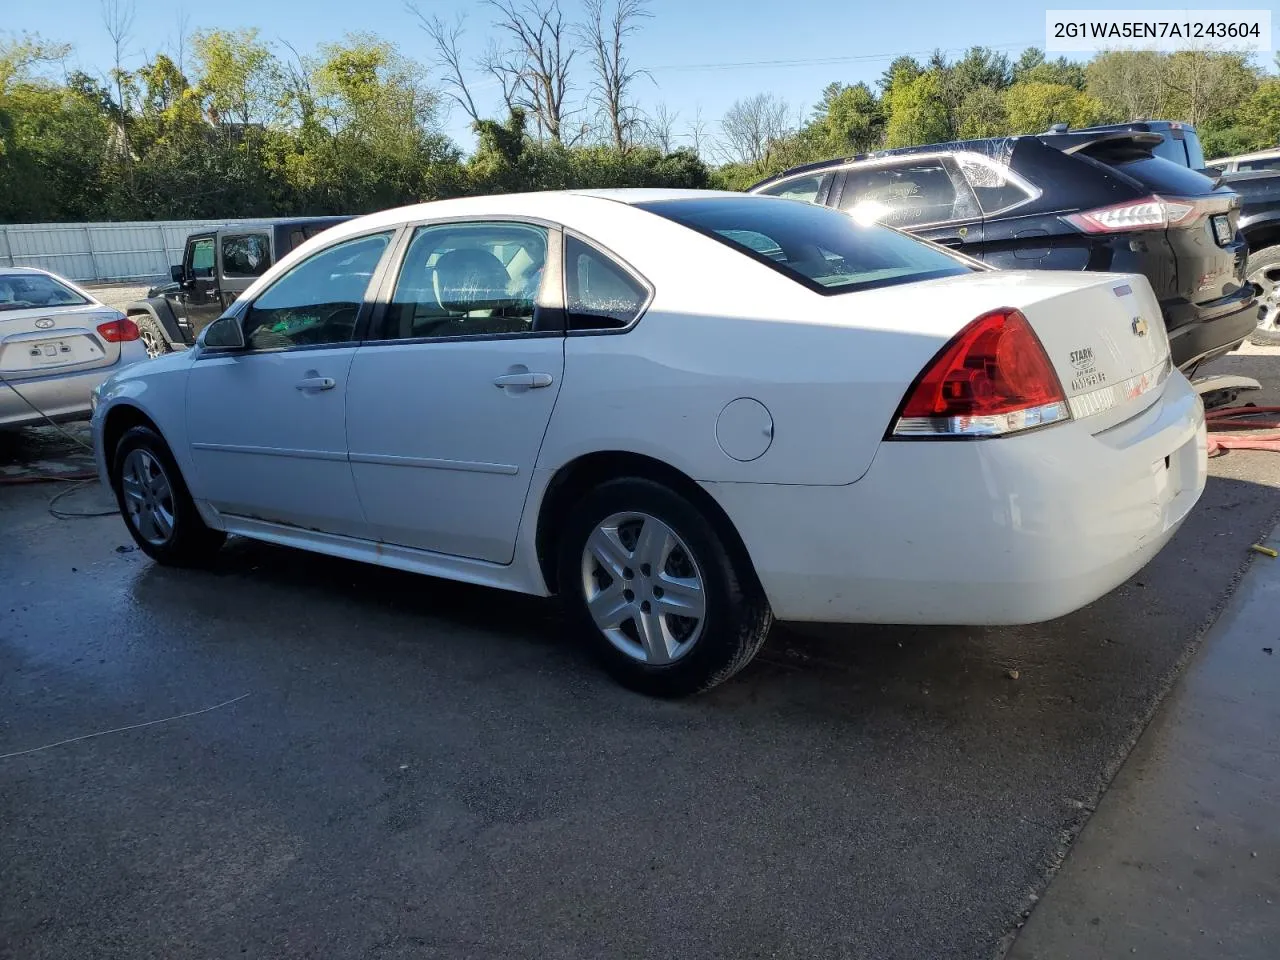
{"points": [[1268, 278], [643, 588], [148, 497], [151, 341]]}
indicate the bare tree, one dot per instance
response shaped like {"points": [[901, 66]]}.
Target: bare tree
{"points": [[180, 44], [604, 33], [753, 125], [538, 68], [662, 127], [698, 132], [117, 17], [445, 38], [506, 68]]}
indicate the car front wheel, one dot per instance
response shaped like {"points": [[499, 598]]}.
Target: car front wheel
{"points": [[657, 591], [155, 503], [152, 337]]}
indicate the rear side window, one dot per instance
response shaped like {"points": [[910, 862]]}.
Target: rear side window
{"points": [[908, 194], [246, 256], [1163, 176], [1264, 163], [826, 251], [995, 186], [600, 294]]}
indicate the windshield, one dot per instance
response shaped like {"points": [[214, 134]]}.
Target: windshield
{"points": [[827, 251], [21, 291]]}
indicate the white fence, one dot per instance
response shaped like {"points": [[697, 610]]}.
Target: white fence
{"points": [[138, 250]]}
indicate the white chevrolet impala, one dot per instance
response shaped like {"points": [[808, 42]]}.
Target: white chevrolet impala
{"points": [[686, 413]]}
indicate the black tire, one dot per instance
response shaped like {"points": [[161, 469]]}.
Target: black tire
{"points": [[1264, 268], [153, 337], [189, 543], [736, 617]]}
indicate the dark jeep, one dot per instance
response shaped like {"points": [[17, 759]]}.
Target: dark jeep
{"points": [[217, 266]]}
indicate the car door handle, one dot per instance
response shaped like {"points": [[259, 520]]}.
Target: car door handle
{"points": [[950, 241], [524, 380], [316, 383]]}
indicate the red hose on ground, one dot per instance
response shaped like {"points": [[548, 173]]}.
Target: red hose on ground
{"points": [[1243, 418]]}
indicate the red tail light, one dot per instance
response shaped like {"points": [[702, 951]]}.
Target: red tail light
{"points": [[1153, 211], [993, 378], [118, 331]]}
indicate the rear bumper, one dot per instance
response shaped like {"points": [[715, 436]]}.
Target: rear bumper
{"points": [[60, 396], [1200, 332], [1006, 531]]}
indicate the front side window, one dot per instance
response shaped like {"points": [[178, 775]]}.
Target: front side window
{"points": [[245, 256], [907, 194], [599, 293], [1263, 163], [820, 248], [319, 300], [202, 258], [797, 188], [468, 279], [20, 291]]}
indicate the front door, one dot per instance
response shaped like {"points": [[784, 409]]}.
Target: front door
{"points": [[199, 293], [447, 407], [267, 424]]}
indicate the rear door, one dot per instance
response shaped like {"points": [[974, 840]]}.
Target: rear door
{"points": [[47, 327], [924, 195], [242, 258]]}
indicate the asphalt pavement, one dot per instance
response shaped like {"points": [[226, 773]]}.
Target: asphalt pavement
{"points": [[295, 756]]}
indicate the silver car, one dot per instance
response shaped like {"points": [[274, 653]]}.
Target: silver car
{"points": [[57, 342]]}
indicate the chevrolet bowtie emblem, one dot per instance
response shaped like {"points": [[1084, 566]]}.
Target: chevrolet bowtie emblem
{"points": [[1139, 327]]}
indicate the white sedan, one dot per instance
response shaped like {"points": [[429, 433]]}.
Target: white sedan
{"points": [[687, 413], [57, 343]]}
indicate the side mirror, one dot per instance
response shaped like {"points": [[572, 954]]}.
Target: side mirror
{"points": [[175, 273], [225, 333]]}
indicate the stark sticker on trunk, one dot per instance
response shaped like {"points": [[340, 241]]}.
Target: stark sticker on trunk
{"points": [[1087, 373]]}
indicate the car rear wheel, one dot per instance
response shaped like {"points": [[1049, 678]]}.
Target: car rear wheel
{"points": [[1264, 270], [151, 335], [155, 503], [657, 591]]}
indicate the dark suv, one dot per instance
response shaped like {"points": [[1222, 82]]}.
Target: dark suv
{"points": [[1076, 200], [217, 266]]}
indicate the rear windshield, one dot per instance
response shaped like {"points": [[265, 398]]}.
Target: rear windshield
{"points": [[1163, 176], [22, 291], [824, 250]]}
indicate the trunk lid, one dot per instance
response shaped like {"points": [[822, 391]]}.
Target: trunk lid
{"points": [[38, 341]]}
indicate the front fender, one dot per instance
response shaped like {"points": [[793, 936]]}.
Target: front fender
{"points": [[159, 309]]}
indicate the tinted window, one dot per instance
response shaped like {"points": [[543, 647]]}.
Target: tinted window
{"points": [[318, 300], [798, 188], [1264, 163], [826, 251], [1171, 150], [246, 256], [468, 279], [202, 258], [18, 291], [599, 293], [907, 194], [1163, 176]]}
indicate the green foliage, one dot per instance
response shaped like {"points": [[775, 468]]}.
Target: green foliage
{"points": [[917, 111], [1034, 107]]}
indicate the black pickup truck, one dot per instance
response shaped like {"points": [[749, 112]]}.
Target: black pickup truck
{"points": [[217, 266], [1260, 224]]}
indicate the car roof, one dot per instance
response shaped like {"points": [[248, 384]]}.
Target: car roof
{"points": [[1256, 155], [16, 271]]}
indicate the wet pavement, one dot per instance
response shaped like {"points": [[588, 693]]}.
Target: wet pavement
{"points": [[1182, 859], [293, 756]]}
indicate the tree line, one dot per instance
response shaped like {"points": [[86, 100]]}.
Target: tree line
{"points": [[228, 124]]}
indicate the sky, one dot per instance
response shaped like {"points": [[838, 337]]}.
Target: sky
{"points": [[702, 54]]}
